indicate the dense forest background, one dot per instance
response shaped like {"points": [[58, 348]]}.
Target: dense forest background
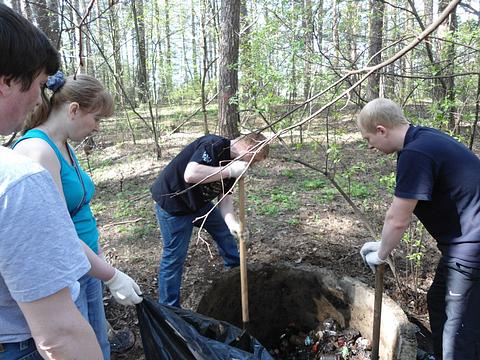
{"points": [[262, 59]]}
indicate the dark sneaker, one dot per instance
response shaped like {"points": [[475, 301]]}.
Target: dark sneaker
{"points": [[121, 340]]}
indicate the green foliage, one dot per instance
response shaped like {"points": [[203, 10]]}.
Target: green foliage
{"points": [[103, 163], [289, 173], [358, 190], [329, 194], [98, 207], [335, 153], [314, 184], [286, 201], [299, 146], [187, 93], [416, 248], [388, 181], [143, 229], [269, 209], [294, 221], [355, 169], [274, 201]]}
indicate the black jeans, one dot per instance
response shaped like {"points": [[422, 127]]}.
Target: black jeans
{"points": [[454, 310]]}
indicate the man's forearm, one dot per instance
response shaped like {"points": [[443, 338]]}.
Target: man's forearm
{"points": [[58, 328], [198, 173], [391, 237], [79, 342], [396, 222]]}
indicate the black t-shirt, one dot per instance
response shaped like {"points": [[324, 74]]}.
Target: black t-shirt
{"points": [[170, 189], [444, 176]]}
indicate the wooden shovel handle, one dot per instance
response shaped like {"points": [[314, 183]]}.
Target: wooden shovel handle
{"points": [[243, 253], [377, 311]]}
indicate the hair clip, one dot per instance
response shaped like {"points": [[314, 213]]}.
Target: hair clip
{"points": [[56, 81]]}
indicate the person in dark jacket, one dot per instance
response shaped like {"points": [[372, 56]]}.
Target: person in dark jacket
{"points": [[438, 180], [205, 169]]}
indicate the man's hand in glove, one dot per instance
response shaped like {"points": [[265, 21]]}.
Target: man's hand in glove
{"points": [[234, 228], [124, 289], [236, 168], [369, 253]]}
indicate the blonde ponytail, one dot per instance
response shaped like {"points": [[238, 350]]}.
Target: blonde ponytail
{"points": [[83, 89]]}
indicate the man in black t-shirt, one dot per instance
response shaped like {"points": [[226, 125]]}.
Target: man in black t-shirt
{"points": [[438, 180], [184, 191]]}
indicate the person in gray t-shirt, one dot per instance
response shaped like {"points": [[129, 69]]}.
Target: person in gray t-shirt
{"points": [[41, 258]]}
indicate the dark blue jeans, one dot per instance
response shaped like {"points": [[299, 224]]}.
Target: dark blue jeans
{"points": [[454, 310], [176, 233], [23, 350], [90, 305]]}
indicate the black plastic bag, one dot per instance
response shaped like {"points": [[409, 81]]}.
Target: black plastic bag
{"points": [[172, 333]]}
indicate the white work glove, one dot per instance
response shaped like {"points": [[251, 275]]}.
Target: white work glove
{"points": [[124, 289], [369, 253], [236, 168], [234, 228]]}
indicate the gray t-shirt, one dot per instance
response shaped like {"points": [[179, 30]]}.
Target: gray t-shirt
{"points": [[40, 253]]}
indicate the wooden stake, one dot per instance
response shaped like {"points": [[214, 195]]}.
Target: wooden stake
{"points": [[243, 253], [377, 311]]}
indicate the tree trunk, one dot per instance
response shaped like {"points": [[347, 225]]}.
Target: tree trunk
{"points": [[307, 23], [376, 34], [319, 31], [447, 55], [214, 35], [46, 15], [335, 34], [187, 71], [100, 23], [203, 78], [117, 60], [139, 20], [89, 63], [161, 91], [228, 68], [169, 54], [428, 12], [194, 42], [79, 48]]}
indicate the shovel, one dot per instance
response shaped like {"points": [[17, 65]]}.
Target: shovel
{"points": [[377, 311], [243, 253]]}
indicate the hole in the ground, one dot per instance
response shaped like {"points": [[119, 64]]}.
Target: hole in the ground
{"points": [[282, 295]]}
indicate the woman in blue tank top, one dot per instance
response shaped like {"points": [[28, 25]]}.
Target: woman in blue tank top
{"points": [[73, 112]]}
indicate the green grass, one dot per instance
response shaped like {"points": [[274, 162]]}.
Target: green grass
{"points": [[314, 184], [273, 201]]}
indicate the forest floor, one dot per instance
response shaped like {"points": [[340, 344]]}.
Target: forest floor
{"points": [[294, 215]]}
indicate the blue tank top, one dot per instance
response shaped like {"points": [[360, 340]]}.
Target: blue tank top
{"points": [[74, 192]]}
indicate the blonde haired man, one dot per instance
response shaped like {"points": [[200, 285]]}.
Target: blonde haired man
{"points": [[438, 180]]}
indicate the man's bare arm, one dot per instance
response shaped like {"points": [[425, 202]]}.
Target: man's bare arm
{"points": [[58, 328], [199, 173], [195, 173], [397, 220]]}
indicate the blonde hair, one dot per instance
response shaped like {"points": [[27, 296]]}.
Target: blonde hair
{"points": [[87, 91], [251, 142], [380, 112]]}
